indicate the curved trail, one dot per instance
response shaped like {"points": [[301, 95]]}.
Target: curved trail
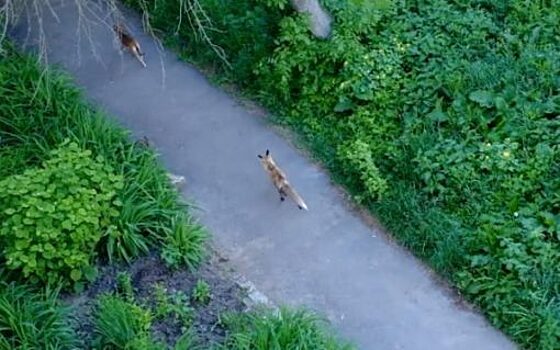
{"points": [[375, 293]]}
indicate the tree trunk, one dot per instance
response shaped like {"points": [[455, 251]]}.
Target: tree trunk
{"points": [[320, 19]]}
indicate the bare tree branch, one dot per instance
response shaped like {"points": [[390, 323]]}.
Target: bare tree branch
{"points": [[99, 12]]}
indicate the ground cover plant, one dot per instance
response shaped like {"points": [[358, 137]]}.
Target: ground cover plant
{"points": [[441, 116], [53, 216], [86, 210]]}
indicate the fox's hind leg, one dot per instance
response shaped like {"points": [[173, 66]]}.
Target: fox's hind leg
{"points": [[282, 195]]}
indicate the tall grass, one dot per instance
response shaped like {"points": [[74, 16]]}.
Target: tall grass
{"points": [[121, 324], [34, 320], [286, 329]]}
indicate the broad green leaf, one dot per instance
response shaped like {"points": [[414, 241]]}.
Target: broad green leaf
{"points": [[482, 97]]}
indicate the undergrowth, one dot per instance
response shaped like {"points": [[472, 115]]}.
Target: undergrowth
{"points": [[441, 116], [40, 111]]}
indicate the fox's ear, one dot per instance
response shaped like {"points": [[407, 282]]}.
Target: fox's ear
{"points": [[259, 156], [267, 152]]}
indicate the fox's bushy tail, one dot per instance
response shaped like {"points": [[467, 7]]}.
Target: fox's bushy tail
{"points": [[291, 192], [139, 55]]}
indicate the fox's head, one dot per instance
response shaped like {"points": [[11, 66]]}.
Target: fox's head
{"points": [[266, 155], [266, 161], [118, 28]]}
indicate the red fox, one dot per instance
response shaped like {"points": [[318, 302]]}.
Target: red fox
{"points": [[129, 42], [280, 181]]}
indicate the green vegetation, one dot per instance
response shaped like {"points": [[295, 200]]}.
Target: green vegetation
{"points": [[187, 342], [124, 285], [75, 188], [285, 329], [182, 243], [175, 305], [201, 292], [54, 216], [33, 320], [119, 192], [441, 116], [120, 324]]}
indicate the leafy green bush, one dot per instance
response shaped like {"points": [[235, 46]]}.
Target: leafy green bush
{"points": [[53, 216], [442, 116], [121, 324], [33, 320], [357, 156], [288, 329]]}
